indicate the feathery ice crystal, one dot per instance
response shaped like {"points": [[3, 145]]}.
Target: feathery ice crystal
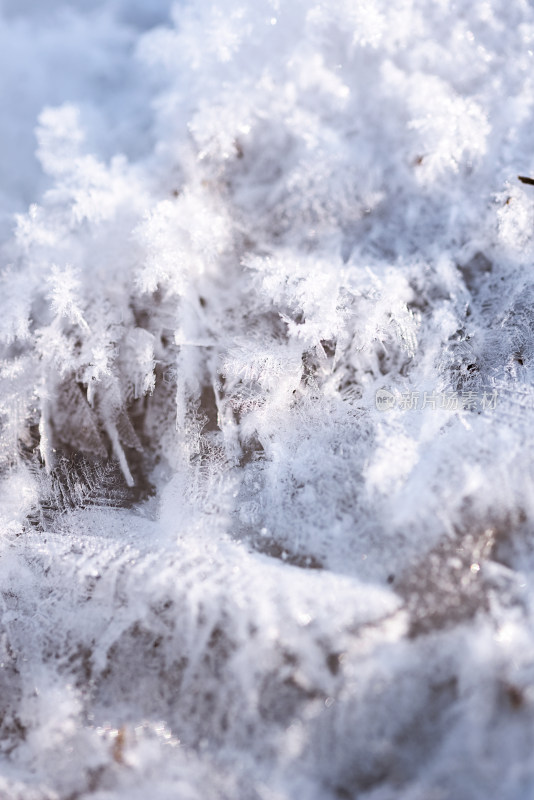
{"points": [[266, 400]]}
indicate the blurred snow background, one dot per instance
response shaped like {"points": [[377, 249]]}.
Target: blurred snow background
{"points": [[224, 572]]}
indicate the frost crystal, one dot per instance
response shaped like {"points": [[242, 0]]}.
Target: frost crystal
{"points": [[266, 400]]}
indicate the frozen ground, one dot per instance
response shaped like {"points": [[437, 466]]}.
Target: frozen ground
{"points": [[227, 570]]}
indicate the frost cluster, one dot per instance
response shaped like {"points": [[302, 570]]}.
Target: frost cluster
{"points": [[266, 400]]}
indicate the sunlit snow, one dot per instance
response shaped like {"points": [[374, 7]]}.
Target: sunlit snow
{"points": [[266, 400]]}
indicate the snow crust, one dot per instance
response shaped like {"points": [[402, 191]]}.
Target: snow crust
{"points": [[228, 229]]}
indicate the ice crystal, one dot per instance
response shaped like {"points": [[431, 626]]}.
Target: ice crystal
{"points": [[266, 400]]}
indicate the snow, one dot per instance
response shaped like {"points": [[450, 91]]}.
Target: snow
{"points": [[266, 400]]}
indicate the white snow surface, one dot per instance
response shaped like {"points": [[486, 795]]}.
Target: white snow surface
{"points": [[225, 571]]}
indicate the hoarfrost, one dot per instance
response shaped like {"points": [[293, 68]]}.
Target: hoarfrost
{"points": [[266, 400]]}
